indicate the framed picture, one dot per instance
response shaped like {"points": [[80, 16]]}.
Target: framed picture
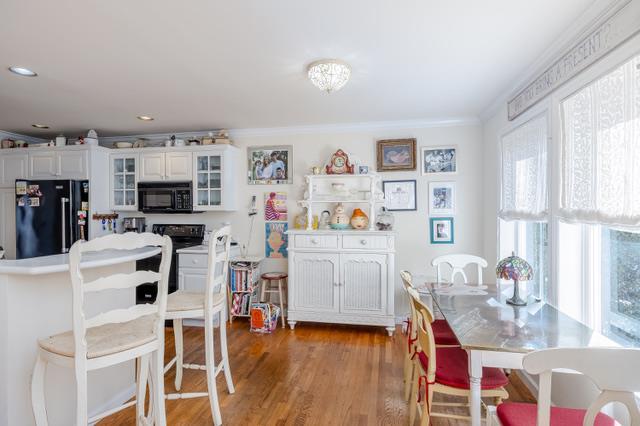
{"points": [[441, 230], [442, 198], [439, 160], [270, 164], [275, 206], [396, 155], [363, 170], [399, 195], [276, 240]]}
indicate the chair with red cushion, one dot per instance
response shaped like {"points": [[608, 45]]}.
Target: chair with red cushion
{"points": [[443, 370], [615, 371], [443, 336]]}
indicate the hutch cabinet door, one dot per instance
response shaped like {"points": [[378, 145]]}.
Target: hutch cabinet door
{"points": [[178, 166], [363, 283], [208, 181], [124, 168], [315, 282], [152, 166]]}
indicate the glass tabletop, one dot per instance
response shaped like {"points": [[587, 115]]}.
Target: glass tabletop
{"points": [[481, 319]]}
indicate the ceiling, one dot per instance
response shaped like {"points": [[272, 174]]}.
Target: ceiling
{"points": [[202, 64]]}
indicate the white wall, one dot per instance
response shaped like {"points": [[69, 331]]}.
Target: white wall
{"points": [[414, 252]]}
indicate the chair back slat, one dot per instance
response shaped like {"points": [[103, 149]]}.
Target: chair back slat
{"points": [[615, 371], [122, 281], [426, 340], [458, 262], [128, 241], [217, 266], [121, 315]]}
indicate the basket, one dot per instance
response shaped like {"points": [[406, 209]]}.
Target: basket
{"points": [[264, 317]]}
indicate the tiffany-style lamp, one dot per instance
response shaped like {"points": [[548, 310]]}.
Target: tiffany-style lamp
{"points": [[517, 269]]}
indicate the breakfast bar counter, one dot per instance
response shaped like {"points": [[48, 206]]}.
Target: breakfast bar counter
{"points": [[35, 302]]}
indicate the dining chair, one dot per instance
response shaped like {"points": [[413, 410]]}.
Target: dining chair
{"points": [[112, 337], [614, 371], [458, 262], [209, 306], [444, 371], [443, 335]]}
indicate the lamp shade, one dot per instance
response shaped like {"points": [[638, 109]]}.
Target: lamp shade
{"points": [[514, 268]]}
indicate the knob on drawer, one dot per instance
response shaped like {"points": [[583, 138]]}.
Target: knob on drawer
{"points": [[363, 242], [314, 241], [194, 260]]}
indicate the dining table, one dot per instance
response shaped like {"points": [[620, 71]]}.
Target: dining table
{"points": [[497, 334]]}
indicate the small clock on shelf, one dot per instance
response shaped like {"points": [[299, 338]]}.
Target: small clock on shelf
{"points": [[339, 164]]}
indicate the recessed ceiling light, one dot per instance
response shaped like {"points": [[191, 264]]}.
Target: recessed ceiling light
{"points": [[25, 72], [40, 126], [145, 118]]}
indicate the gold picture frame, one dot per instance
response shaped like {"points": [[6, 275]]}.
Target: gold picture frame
{"points": [[396, 155]]}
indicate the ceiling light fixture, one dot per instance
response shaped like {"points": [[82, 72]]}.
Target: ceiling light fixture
{"points": [[145, 118], [329, 75], [40, 126], [25, 72]]}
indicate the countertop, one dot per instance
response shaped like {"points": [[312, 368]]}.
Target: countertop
{"points": [[60, 262], [204, 249]]}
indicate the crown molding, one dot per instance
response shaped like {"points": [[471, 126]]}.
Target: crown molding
{"points": [[355, 127], [29, 139], [155, 137], [580, 27]]}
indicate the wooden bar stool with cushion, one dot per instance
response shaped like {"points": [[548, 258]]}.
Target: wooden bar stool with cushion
{"points": [[614, 371], [444, 370], [443, 338], [281, 289], [208, 306], [113, 337]]}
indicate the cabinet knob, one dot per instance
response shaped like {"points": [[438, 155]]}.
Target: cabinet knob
{"points": [[194, 260], [363, 242], [314, 241]]}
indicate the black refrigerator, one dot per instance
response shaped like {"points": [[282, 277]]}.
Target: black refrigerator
{"points": [[50, 216]]}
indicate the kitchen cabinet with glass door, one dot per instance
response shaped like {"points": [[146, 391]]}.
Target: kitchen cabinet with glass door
{"points": [[124, 179], [214, 185]]}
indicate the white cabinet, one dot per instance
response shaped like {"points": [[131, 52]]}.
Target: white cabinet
{"points": [[59, 164], [123, 172], [169, 166], [214, 184], [344, 277], [8, 222], [12, 167]]}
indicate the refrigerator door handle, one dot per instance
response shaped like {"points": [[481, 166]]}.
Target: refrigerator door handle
{"points": [[63, 201]]}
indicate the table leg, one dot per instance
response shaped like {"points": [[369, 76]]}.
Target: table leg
{"points": [[475, 378]]}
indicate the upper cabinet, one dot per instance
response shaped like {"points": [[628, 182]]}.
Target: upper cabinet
{"points": [[59, 164], [12, 167], [167, 166], [213, 180], [124, 179]]}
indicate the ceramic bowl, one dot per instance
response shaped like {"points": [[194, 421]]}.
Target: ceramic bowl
{"points": [[124, 144]]}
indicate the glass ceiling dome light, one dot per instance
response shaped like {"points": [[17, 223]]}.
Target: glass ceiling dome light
{"points": [[329, 75]]}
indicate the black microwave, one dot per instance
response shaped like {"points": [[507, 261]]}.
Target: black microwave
{"points": [[165, 197]]}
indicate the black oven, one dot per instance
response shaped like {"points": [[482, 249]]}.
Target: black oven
{"points": [[165, 197]]}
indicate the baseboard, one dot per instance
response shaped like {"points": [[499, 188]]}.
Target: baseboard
{"points": [[123, 396]]}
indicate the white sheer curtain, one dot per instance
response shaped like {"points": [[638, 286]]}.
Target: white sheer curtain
{"points": [[524, 171], [601, 150]]}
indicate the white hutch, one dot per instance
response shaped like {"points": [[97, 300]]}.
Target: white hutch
{"points": [[342, 276]]}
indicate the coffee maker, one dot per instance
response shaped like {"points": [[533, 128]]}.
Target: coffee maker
{"points": [[134, 224]]}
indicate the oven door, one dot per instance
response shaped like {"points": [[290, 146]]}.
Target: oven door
{"points": [[156, 199]]}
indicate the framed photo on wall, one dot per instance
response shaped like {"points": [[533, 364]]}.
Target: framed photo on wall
{"points": [[442, 198], [439, 160], [441, 229], [396, 155], [399, 195], [270, 164]]}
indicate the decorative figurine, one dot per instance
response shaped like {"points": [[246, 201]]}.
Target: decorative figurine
{"points": [[325, 220], [359, 220], [339, 164], [339, 220]]}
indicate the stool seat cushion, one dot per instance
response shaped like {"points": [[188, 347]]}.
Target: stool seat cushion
{"points": [[452, 370], [442, 333], [273, 276], [106, 339], [190, 301], [523, 414]]}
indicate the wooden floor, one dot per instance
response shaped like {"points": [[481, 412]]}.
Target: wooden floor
{"points": [[315, 375]]}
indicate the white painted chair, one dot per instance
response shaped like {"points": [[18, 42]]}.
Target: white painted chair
{"points": [[458, 262], [615, 371], [208, 305], [109, 338]]}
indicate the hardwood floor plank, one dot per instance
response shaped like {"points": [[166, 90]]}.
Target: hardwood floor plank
{"points": [[316, 375]]}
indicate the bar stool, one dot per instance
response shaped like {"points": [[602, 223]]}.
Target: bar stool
{"points": [[269, 278]]}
